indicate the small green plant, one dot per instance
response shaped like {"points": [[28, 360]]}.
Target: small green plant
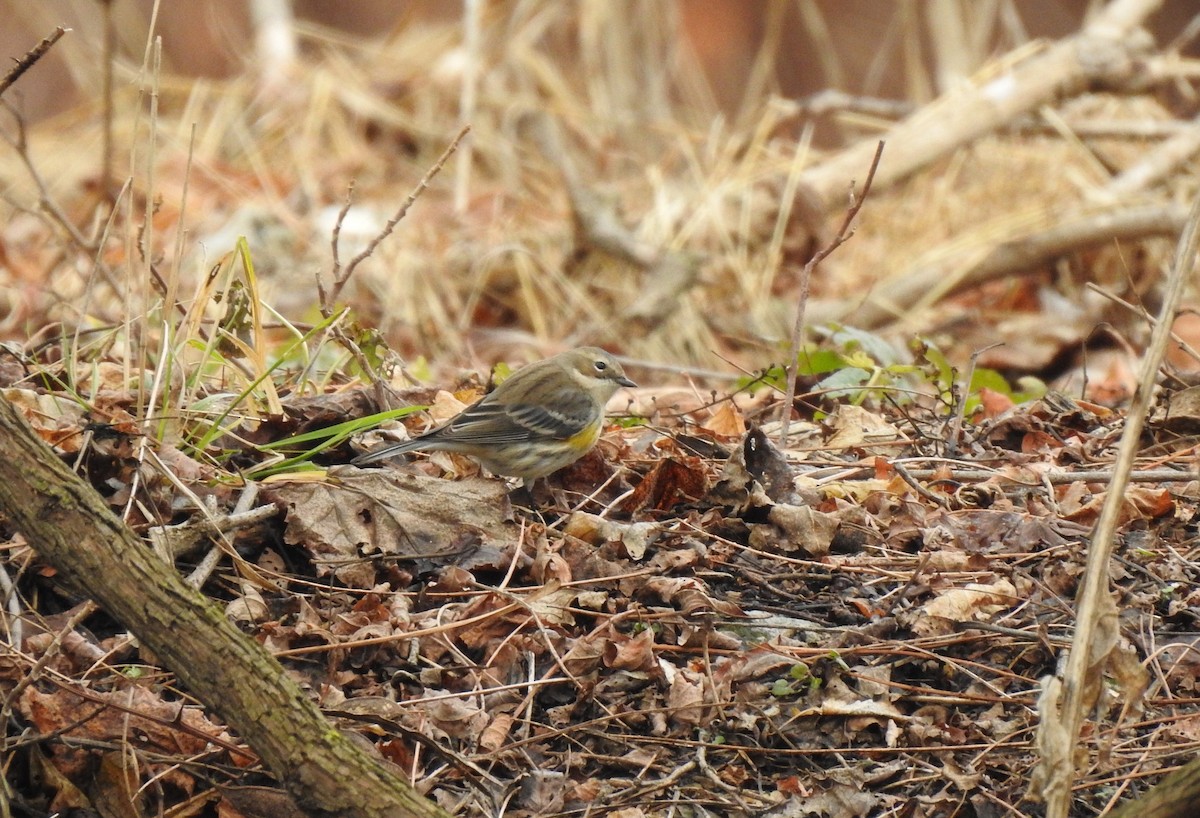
{"points": [[798, 681], [947, 379], [852, 365], [861, 367]]}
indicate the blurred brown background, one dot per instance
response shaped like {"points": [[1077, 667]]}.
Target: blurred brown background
{"points": [[854, 46]]}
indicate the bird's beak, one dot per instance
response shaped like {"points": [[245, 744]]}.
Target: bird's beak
{"points": [[625, 381]]}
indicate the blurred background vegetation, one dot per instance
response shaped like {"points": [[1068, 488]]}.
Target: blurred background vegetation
{"points": [[680, 123]]}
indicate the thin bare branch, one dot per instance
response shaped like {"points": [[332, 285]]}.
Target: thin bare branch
{"points": [[31, 57], [342, 277], [843, 234]]}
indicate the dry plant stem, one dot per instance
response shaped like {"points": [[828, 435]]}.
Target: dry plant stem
{"points": [[340, 277], [137, 295], [1053, 478], [12, 604], [1164, 160], [1100, 54], [1108, 129], [175, 541], [45, 201], [667, 276], [844, 233], [71, 527], [106, 135], [597, 226], [960, 404], [831, 101], [335, 244], [1140, 311], [32, 56], [472, 50], [1018, 254], [1095, 580]]}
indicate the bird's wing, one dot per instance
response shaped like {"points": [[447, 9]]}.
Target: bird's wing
{"points": [[516, 422]]}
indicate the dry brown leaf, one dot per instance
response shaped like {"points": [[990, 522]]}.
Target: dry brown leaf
{"points": [[686, 699], [856, 428], [974, 602], [111, 716], [495, 734], [355, 515], [795, 528], [673, 480], [257, 802], [726, 421], [636, 537], [631, 653], [1139, 503]]}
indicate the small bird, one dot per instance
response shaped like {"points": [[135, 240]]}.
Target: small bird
{"points": [[544, 417]]}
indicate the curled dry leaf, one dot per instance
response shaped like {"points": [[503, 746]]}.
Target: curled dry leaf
{"points": [[691, 596], [631, 653], [863, 431], [686, 699], [755, 475], [495, 734]]}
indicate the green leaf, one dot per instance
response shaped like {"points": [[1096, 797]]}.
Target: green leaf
{"points": [[841, 383], [782, 689], [813, 361]]}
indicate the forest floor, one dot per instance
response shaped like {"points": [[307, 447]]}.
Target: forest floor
{"points": [[704, 616]]}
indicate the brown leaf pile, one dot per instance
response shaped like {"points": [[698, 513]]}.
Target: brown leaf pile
{"points": [[809, 632]]}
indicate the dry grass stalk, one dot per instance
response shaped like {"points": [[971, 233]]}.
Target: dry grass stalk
{"points": [[1091, 652]]}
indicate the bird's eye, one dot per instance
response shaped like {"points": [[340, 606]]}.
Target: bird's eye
{"points": [[600, 366]]}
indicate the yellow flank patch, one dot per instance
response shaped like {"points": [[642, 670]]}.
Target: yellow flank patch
{"points": [[585, 439]]}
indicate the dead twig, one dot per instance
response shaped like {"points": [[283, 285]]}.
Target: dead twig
{"points": [[32, 56], [959, 409], [328, 298], [1140, 311], [1105, 53], [843, 234], [340, 277], [1162, 162], [19, 143]]}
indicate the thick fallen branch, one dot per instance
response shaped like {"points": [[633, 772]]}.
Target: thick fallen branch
{"points": [[924, 284], [1104, 54], [72, 529]]}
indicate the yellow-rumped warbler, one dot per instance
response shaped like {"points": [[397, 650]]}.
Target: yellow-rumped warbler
{"points": [[545, 416]]}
